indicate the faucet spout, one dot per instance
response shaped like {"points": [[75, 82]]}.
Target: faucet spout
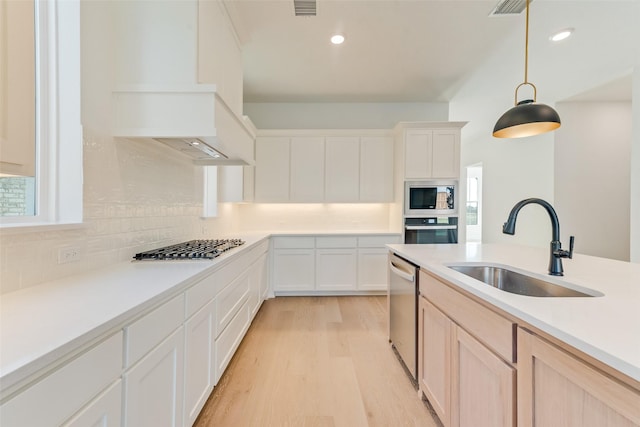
{"points": [[556, 252]]}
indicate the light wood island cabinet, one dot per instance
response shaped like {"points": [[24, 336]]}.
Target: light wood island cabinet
{"points": [[557, 388], [466, 355], [479, 366]]}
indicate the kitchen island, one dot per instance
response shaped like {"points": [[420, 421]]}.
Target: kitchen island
{"points": [[525, 342]]}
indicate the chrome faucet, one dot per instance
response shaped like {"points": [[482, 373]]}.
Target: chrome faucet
{"points": [[557, 253]]}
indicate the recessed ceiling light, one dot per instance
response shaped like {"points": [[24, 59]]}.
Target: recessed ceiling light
{"points": [[561, 35], [337, 39]]}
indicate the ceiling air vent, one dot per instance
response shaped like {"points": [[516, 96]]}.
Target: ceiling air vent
{"points": [[305, 7], [509, 7]]}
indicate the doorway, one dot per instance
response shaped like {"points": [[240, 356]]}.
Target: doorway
{"points": [[474, 203]]}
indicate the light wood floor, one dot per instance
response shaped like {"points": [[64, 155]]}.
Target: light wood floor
{"points": [[316, 362]]}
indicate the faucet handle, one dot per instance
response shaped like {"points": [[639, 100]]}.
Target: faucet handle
{"points": [[561, 253], [571, 240]]}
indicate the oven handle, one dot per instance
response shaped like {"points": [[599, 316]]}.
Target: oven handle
{"points": [[395, 270], [430, 227]]}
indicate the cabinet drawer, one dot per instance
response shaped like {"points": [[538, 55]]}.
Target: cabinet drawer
{"points": [[150, 330], [336, 242], [228, 341], [230, 300], [487, 326], [200, 294], [377, 241], [293, 243], [58, 396]]}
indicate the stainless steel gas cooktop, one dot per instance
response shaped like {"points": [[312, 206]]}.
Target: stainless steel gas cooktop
{"points": [[191, 250]]}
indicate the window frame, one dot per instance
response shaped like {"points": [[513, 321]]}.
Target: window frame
{"points": [[58, 126]]}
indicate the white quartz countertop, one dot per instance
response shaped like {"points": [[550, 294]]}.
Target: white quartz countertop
{"points": [[320, 233], [605, 327], [41, 324]]}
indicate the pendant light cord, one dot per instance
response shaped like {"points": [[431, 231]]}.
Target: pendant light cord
{"points": [[526, 46]]}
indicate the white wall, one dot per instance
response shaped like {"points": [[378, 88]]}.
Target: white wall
{"points": [[342, 115], [137, 196], [592, 185], [634, 232]]}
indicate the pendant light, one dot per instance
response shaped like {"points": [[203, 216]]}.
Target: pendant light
{"points": [[527, 118]]}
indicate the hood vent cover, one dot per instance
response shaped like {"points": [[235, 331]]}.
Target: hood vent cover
{"points": [[304, 7], [509, 7]]}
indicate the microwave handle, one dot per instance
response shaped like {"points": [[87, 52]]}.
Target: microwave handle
{"points": [[430, 227]]}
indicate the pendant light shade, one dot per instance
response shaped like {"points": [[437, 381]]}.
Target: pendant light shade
{"points": [[527, 118]]}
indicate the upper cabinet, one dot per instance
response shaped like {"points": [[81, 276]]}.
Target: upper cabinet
{"points": [[178, 75], [430, 150], [324, 166]]}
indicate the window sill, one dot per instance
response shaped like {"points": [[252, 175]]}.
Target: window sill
{"points": [[11, 229]]}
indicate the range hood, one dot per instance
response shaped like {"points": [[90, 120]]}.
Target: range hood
{"points": [[194, 120]]}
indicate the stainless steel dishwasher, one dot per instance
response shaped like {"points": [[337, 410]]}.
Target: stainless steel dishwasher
{"points": [[403, 312]]}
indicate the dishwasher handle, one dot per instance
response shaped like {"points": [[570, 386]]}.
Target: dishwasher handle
{"points": [[397, 271]]}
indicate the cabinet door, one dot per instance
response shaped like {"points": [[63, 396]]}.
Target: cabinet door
{"points": [[372, 269], [483, 385], [342, 170], [376, 169], [104, 411], [199, 357], [272, 169], [293, 269], [417, 155], [154, 386], [446, 153], [336, 269], [307, 169], [257, 284], [555, 388], [434, 359]]}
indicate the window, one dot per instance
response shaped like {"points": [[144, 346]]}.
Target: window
{"points": [[42, 157]]}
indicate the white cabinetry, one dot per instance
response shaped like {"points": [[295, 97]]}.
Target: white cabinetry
{"points": [[430, 150], [342, 172], [154, 386], [105, 410], [330, 264], [323, 166], [199, 367], [272, 169], [153, 381], [293, 263], [376, 169], [336, 263], [61, 394], [307, 169]]}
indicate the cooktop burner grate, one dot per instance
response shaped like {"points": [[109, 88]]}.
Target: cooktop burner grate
{"points": [[191, 250]]}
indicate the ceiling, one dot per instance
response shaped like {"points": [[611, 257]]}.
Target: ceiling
{"points": [[395, 50]]}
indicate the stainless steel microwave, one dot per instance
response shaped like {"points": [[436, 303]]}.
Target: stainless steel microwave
{"points": [[435, 197]]}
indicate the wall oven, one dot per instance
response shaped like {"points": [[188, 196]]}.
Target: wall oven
{"points": [[431, 230], [430, 198]]}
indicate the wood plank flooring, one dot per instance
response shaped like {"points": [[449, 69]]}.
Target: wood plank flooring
{"points": [[316, 362]]}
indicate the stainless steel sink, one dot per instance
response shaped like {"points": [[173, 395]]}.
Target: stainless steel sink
{"points": [[518, 283]]}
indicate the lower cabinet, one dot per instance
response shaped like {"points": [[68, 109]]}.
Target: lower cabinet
{"points": [[326, 264], [336, 269], [199, 356], [556, 388], [154, 386], [434, 362], [74, 391], [463, 374], [483, 385], [103, 411]]}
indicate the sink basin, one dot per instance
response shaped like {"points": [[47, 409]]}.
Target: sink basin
{"points": [[517, 283]]}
